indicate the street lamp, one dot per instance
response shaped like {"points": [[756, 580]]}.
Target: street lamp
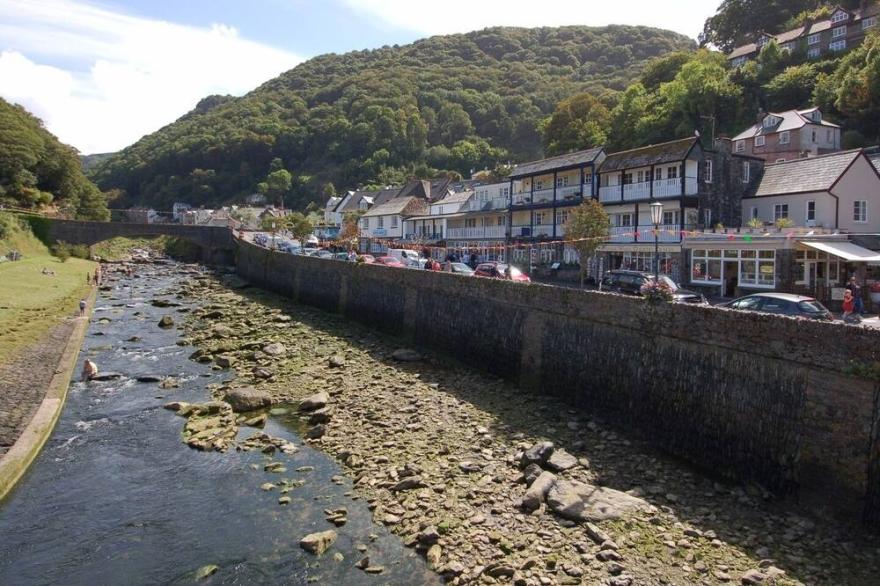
{"points": [[656, 219]]}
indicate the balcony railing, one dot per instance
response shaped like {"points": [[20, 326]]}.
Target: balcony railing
{"points": [[638, 191], [566, 193], [499, 203], [477, 232], [630, 234], [424, 236]]}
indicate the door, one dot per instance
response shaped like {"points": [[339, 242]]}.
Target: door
{"points": [[729, 279]]}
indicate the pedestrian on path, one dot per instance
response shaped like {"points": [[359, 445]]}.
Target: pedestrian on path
{"points": [[848, 304], [88, 278], [856, 290], [82, 307]]}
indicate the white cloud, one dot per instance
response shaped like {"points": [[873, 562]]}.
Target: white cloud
{"points": [[456, 16], [102, 79]]}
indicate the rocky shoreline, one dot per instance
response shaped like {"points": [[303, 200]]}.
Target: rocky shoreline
{"points": [[490, 483]]}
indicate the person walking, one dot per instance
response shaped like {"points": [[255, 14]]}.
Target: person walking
{"points": [[82, 307], [848, 304], [856, 290]]}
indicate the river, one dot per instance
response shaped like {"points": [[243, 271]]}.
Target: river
{"points": [[116, 497]]}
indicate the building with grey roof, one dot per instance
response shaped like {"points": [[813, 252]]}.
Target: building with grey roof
{"points": [[793, 134]]}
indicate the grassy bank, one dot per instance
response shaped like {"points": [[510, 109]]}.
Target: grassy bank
{"points": [[119, 249], [30, 301]]}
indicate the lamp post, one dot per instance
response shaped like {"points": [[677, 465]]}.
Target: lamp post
{"points": [[656, 219]]}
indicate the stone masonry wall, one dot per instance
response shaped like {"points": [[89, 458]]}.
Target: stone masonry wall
{"points": [[747, 396]]}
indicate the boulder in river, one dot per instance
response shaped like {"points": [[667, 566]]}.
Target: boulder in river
{"points": [[149, 378], [318, 543], [247, 399], [166, 322], [274, 349], [314, 402], [536, 493], [406, 355], [578, 501], [537, 454], [102, 376]]}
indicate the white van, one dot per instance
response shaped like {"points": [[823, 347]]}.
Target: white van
{"points": [[409, 258]]}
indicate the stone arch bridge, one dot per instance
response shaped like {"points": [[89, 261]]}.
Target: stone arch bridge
{"points": [[216, 242]]}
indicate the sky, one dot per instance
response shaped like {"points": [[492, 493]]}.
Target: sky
{"points": [[103, 73]]}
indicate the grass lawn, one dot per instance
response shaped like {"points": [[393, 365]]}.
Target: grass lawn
{"points": [[31, 303]]}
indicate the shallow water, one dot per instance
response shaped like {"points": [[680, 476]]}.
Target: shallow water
{"points": [[116, 497]]}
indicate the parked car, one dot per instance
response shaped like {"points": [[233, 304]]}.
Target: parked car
{"points": [[631, 282], [407, 257], [499, 270], [322, 253], [782, 304], [309, 251], [367, 259], [340, 256], [460, 268], [390, 261]]}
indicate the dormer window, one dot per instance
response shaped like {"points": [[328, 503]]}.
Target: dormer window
{"points": [[763, 40], [770, 121], [839, 16]]}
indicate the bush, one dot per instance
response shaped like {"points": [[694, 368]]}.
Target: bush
{"points": [[655, 292], [784, 223], [61, 251]]}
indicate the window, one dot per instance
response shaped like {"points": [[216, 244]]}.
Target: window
{"points": [[838, 32], [838, 45], [814, 52], [671, 218], [642, 176], [780, 211], [747, 172], [779, 161], [658, 174], [500, 221], [707, 170], [626, 219], [814, 38], [757, 268], [785, 137], [811, 211], [394, 221], [381, 222], [829, 135], [706, 266], [366, 222], [707, 218], [740, 146], [539, 184], [561, 217], [627, 178], [760, 141], [839, 16], [869, 22], [787, 47], [562, 181], [753, 213], [814, 136], [539, 218], [470, 223], [505, 192], [672, 172], [860, 211]]}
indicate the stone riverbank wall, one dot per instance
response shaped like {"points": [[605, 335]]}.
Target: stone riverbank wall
{"points": [[790, 404]]}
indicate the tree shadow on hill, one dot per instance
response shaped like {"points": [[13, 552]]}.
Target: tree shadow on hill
{"points": [[809, 549]]}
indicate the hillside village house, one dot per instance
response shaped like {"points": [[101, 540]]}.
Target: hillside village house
{"points": [[480, 227], [843, 30], [789, 135], [698, 188], [542, 195], [386, 221], [432, 228], [833, 202]]}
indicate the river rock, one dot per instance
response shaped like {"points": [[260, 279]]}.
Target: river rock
{"points": [[166, 322], [317, 543], [216, 314], [221, 331], [209, 426], [561, 460], [103, 376], [262, 373], [537, 492], [406, 355], [537, 454], [163, 303], [321, 416], [224, 361], [578, 501], [408, 483], [336, 361], [314, 402], [531, 472], [247, 399], [206, 571], [274, 349], [169, 383]]}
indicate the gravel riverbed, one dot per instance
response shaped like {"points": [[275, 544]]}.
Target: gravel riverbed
{"points": [[438, 451]]}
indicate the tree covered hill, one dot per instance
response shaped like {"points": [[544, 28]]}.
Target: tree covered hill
{"points": [[37, 170], [446, 103]]}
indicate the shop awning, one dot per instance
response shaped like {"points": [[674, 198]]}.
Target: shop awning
{"points": [[846, 250]]}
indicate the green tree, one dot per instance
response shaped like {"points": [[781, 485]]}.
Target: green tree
{"points": [[278, 184], [587, 231], [579, 122], [793, 88], [737, 21], [329, 190], [299, 227], [629, 127]]}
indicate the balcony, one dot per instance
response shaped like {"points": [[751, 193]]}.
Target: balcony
{"points": [[545, 196], [537, 231], [499, 203], [663, 188], [477, 232], [645, 234]]}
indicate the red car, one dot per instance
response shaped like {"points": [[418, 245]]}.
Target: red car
{"points": [[390, 261], [367, 258], [500, 270]]}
